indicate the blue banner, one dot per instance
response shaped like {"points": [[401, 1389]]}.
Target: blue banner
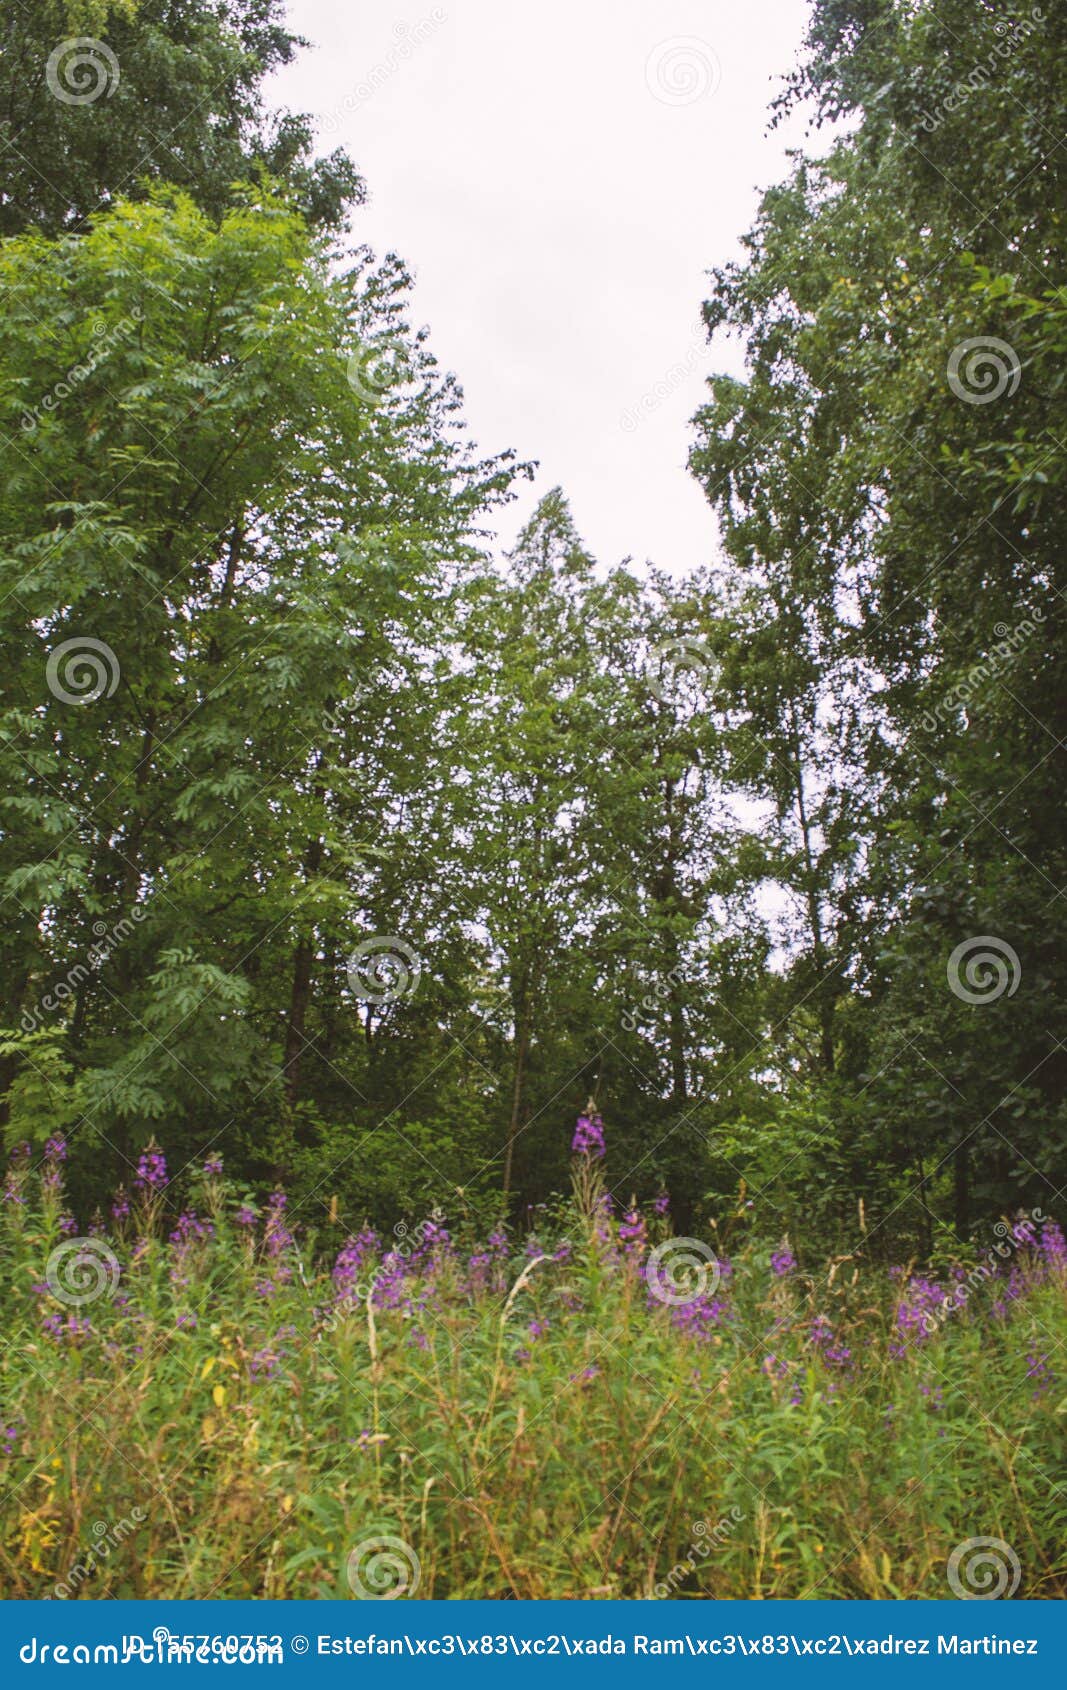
{"points": [[473, 1643]]}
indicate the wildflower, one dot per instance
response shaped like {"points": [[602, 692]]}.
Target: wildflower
{"points": [[350, 1261], [151, 1170], [661, 1204], [212, 1168], [245, 1216], [120, 1207], [782, 1262], [190, 1228], [588, 1137], [1054, 1247], [633, 1234]]}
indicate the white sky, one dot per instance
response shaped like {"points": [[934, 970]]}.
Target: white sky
{"points": [[559, 178]]}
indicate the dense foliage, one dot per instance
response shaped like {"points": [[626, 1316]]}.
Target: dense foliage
{"points": [[333, 844]]}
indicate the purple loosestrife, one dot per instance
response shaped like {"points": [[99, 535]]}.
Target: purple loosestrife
{"points": [[633, 1234], [920, 1302], [782, 1262], [486, 1267], [55, 1154], [357, 1251], [1054, 1247], [151, 1171], [588, 1137]]}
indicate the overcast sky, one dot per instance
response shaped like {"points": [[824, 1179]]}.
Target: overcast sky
{"points": [[559, 178]]}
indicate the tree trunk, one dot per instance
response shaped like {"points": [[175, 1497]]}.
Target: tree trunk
{"points": [[522, 1047]]}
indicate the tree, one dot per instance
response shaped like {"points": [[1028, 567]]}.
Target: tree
{"points": [[100, 97]]}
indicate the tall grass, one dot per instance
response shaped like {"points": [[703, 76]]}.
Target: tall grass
{"points": [[197, 1405]]}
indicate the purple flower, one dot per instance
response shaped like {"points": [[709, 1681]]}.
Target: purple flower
{"points": [[588, 1137], [55, 1149], [350, 1262], [661, 1204], [782, 1261], [245, 1216], [1054, 1247], [190, 1228], [213, 1167], [633, 1234], [151, 1170], [120, 1208]]}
